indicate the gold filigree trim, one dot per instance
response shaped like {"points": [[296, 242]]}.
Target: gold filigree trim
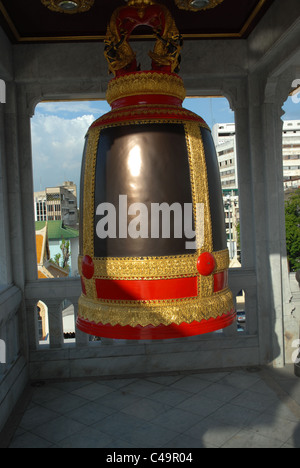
{"points": [[89, 191], [133, 268], [147, 267], [200, 196], [156, 314], [142, 83], [146, 303], [222, 260], [199, 180]]}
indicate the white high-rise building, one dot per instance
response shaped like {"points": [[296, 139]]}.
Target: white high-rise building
{"points": [[225, 142], [291, 153], [224, 138]]}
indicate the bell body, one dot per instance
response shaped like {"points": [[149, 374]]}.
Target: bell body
{"points": [[153, 253]]}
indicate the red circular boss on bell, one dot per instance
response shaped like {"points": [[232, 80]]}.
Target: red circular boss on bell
{"points": [[206, 264]]}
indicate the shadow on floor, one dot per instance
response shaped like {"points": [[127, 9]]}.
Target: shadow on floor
{"points": [[240, 408]]}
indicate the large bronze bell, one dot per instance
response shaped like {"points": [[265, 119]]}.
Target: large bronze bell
{"points": [[153, 252]]}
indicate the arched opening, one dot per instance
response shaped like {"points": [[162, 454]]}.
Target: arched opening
{"points": [[291, 187], [42, 323], [68, 321], [58, 131], [291, 179], [220, 118], [241, 311]]}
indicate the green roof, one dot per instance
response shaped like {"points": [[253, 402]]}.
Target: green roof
{"points": [[56, 230]]}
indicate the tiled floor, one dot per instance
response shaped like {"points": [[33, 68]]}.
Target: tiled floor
{"points": [[241, 408]]}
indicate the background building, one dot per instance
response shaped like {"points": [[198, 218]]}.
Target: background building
{"points": [[56, 232], [224, 139], [225, 142], [46, 268], [291, 153], [57, 204]]}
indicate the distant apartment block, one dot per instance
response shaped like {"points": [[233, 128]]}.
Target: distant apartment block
{"points": [[225, 142], [224, 138], [57, 204], [291, 153]]}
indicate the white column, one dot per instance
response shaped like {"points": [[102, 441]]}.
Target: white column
{"points": [[26, 184], [5, 260], [265, 130], [56, 333]]}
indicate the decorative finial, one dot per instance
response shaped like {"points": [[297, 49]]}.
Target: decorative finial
{"points": [[119, 54]]}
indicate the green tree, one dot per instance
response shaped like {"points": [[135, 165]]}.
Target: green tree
{"points": [[292, 224], [62, 259], [57, 258], [65, 249]]}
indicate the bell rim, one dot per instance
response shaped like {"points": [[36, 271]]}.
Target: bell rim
{"points": [[158, 332]]}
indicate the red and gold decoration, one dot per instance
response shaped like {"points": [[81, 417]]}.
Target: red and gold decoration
{"points": [[140, 279], [68, 6], [118, 52]]}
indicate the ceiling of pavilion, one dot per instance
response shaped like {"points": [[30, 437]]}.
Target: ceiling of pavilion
{"points": [[31, 21]]}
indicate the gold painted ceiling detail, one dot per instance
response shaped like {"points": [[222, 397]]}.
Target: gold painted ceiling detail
{"points": [[197, 5], [68, 6]]}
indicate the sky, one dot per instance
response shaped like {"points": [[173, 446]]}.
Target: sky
{"points": [[59, 128]]}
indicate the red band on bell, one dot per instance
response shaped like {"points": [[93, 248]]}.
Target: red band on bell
{"points": [[220, 281], [147, 290], [146, 99]]}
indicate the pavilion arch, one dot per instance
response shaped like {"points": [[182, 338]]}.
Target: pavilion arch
{"points": [[67, 310], [246, 73], [278, 89], [42, 322], [238, 93], [255, 73]]}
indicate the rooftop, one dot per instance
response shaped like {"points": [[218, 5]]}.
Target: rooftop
{"points": [[57, 230]]}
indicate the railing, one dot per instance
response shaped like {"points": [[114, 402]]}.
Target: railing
{"points": [[10, 300], [13, 365], [55, 356]]}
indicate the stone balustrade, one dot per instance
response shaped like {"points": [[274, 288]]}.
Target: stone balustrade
{"points": [[58, 357]]}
